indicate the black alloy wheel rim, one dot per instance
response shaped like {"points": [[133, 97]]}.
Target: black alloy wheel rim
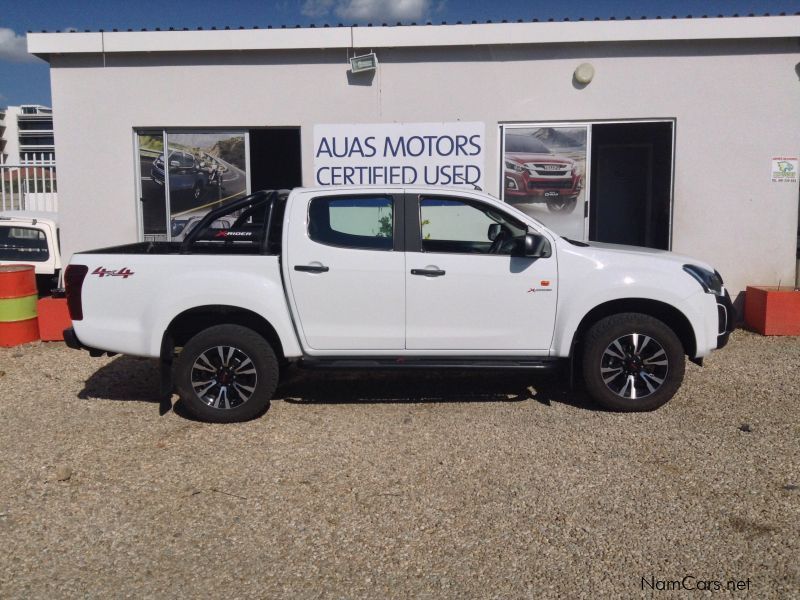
{"points": [[634, 366], [224, 377]]}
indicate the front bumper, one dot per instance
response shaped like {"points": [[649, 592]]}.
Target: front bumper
{"points": [[726, 319]]}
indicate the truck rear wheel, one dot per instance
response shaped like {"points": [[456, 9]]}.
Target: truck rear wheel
{"points": [[226, 374], [632, 362]]}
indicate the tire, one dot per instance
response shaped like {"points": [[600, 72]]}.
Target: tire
{"points": [[562, 205], [623, 378], [214, 378]]}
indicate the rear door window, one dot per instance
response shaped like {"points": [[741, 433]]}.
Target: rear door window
{"points": [[365, 223], [24, 244]]}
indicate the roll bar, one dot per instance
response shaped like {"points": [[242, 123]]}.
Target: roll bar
{"points": [[265, 196]]}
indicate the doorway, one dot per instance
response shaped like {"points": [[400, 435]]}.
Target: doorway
{"points": [[275, 159], [631, 183]]}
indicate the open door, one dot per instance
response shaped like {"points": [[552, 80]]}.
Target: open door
{"points": [[631, 184], [275, 159]]}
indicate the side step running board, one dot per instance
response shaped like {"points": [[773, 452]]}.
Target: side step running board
{"points": [[516, 362]]}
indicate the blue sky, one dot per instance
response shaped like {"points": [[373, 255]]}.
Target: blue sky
{"points": [[25, 79]]}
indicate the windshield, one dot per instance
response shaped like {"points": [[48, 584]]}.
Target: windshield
{"points": [[525, 143]]}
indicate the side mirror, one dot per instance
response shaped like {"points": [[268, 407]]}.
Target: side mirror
{"points": [[174, 164], [493, 232], [536, 246]]}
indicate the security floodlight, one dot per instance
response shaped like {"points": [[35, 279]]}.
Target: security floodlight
{"points": [[361, 64]]}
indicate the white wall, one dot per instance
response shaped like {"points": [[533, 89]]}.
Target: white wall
{"points": [[736, 104]]}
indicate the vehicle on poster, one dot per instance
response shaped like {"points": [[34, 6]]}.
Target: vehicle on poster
{"points": [[369, 277], [186, 173], [29, 237], [534, 173]]}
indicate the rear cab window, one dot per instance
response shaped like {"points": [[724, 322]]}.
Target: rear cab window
{"points": [[25, 244], [360, 222]]}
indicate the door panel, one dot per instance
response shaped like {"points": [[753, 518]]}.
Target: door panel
{"points": [[471, 298], [480, 303], [347, 278]]}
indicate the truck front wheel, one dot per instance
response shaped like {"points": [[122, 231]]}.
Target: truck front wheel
{"points": [[562, 204], [226, 374], [632, 362]]}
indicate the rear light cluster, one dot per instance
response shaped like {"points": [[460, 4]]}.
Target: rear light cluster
{"points": [[73, 281]]}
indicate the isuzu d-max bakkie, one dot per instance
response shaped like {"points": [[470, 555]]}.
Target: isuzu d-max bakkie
{"points": [[366, 278]]}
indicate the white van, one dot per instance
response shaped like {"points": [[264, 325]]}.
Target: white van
{"points": [[28, 237]]}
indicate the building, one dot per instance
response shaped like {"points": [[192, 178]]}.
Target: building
{"points": [[678, 134], [26, 134], [2, 135]]}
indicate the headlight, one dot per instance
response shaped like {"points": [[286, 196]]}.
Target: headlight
{"points": [[512, 166], [711, 282]]}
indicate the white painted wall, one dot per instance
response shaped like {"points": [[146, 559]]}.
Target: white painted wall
{"points": [[736, 104]]}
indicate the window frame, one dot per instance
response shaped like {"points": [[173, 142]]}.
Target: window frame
{"points": [[398, 219]]}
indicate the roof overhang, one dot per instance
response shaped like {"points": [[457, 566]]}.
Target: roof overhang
{"points": [[485, 34]]}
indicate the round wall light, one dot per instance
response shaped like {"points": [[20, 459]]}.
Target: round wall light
{"points": [[584, 73]]}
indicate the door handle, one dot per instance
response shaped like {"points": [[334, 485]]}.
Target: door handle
{"points": [[428, 272], [311, 268]]}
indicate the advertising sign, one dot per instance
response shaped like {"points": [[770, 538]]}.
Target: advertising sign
{"points": [[544, 174], [387, 154], [784, 169]]}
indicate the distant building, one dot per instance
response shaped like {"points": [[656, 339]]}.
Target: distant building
{"points": [[26, 134]]}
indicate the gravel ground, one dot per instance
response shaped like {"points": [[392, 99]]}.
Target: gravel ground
{"points": [[397, 485]]}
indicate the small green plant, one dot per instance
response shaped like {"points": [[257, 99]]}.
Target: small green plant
{"points": [[385, 229], [425, 236]]}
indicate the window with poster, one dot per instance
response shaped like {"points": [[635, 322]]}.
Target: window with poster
{"points": [[600, 181], [185, 174]]}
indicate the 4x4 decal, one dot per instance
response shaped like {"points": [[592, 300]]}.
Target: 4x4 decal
{"points": [[124, 272]]}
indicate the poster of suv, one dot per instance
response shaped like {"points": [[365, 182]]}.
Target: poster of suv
{"points": [[544, 174], [201, 170]]}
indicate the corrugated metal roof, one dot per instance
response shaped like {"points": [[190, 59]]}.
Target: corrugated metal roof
{"points": [[489, 33], [432, 24]]}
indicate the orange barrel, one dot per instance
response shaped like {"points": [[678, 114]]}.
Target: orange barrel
{"points": [[18, 295]]}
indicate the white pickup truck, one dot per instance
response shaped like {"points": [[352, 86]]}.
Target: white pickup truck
{"points": [[360, 278]]}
